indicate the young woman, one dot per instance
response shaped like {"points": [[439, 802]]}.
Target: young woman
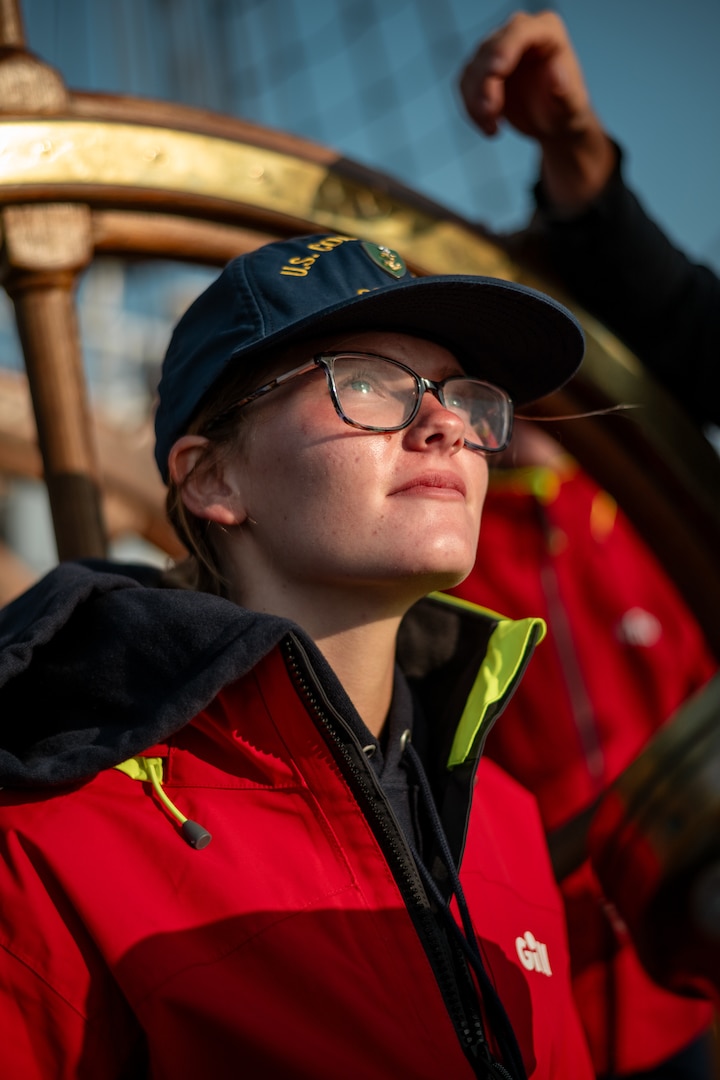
{"points": [[323, 422]]}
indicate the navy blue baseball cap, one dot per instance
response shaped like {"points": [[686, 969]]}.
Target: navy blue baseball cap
{"points": [[311, 286]]}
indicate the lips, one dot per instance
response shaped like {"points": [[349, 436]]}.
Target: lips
{"points": [[433, 481]]}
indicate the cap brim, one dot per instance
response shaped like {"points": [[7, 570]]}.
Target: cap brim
{"points": [[505, 333]]}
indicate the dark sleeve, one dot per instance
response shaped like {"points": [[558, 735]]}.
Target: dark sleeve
{"points": [[619, 265]]}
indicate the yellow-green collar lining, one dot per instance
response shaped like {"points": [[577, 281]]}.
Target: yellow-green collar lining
{"points": [[507, 652]]}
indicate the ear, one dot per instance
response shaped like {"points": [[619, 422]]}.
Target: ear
{"points": [[203, 485]]}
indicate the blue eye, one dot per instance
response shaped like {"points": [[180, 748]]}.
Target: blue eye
{"points": [[455, 401], [360, 385]]}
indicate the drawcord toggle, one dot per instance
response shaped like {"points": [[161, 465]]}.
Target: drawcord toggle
{"points": [[151, 769]]}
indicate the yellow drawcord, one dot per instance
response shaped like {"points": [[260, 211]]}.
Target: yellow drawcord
{"points": [[150, 769]]}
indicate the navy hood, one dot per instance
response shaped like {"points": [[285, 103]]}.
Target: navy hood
{"points": [[96, 667]]}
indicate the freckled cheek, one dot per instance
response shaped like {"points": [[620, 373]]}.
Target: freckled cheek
{"points": [[479, 485], [481, 478]]}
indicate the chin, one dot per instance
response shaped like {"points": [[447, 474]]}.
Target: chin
{"points": [[430, 571], [454, 567], [438, 580], [455, 578]]}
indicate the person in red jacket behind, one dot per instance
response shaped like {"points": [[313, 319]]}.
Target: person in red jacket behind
{"points": [[623, 652], [244, 826]]}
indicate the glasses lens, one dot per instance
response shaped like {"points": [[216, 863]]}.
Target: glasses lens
{"points": [[485, 409], [374, 393]]}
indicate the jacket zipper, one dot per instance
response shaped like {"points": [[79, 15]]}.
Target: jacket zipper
{"points": [[463, 1011]]}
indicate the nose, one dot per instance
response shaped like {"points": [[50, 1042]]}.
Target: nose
{"points": [[435, 425]]}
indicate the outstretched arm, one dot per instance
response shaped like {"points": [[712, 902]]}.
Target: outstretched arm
{"points": [[527, 73], [594, 233]]}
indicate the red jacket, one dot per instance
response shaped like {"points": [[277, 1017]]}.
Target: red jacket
{"points": [[622, 653], [296, 943]]}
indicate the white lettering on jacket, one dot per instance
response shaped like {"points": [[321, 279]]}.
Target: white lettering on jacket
{"points": [[532, 954]]}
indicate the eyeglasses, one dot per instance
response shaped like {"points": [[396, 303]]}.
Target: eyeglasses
{"points": [[377, 394]]}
